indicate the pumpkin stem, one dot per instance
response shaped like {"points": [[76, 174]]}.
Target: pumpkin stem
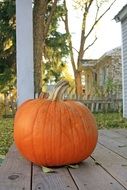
{"points": [[59, 90]]}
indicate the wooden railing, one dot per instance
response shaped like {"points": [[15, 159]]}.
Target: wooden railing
{"points": [[103, 105], [114, 105]]}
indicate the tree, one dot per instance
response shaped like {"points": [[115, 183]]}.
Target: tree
{"points": [[42, 15], [49, 44], [7, 51], [45, 36], [55, 52], [7, 46], [85, 6]]}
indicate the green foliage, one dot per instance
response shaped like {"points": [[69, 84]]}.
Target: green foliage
{"points": [[58, 43], [7, 45], [109, 89], [6, 135], [55, 52], [56, 49], [59, 12], [110, 120], [55, 46]]}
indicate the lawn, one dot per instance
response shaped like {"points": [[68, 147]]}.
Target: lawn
{"points": [[6, 134], [104, 120], [110, 120]]}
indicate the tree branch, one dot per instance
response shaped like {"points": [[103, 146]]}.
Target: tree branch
{"points": [[90, 3], [83, 39], [97, 20], [90, 45], [54, 4], [69, 38], [75, 49], [62, 18], [97, 11]]}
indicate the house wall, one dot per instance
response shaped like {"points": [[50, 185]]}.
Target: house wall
{"points": [[124, 62], [104, 79], [89, 78]]}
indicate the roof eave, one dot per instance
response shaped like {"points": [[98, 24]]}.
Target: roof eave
{"points": [[122, 14]]}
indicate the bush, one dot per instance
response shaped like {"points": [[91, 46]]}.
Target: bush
{"points": [[110, 120]]}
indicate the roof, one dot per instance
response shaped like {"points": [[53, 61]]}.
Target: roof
{"points": [[89, 63], [113, 52], [122, 14]]}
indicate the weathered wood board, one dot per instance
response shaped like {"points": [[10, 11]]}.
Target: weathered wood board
{"points": [[91, 176], [114, 142], [15, 172], [59, 180], [106, 169], [114, 164]]}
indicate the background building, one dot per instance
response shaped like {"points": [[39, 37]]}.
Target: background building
{"points": [[103, 77]]}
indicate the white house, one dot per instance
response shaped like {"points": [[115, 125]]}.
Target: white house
{"points": [[122, 17]]}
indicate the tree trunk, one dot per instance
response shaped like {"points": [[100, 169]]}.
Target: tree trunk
{"points": [[84, 36], [38, 29], [78, 84]]}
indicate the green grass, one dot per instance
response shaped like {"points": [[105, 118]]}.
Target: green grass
{"points": [[110, 120], [6, 134]]}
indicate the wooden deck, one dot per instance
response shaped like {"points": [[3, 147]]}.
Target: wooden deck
{"points": [[106, 169]]}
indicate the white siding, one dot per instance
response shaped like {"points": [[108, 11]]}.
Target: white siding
{"points": [[124, 66], [24, 42]]}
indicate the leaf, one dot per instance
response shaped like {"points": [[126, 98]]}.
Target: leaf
{"points": [[121, 146], [47, 170], [75, 166], [21, 158], [124, 165]]}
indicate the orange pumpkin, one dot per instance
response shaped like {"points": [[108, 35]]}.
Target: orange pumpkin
{"points": [[55, 132]]}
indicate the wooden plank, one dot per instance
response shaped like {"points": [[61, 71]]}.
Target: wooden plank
{"points": [[15, 172], [60, 180], [113, 163], [97, 106], [92, 106], [114, 142], [121, 132], [115, 146], [113, 135], [91, 176]]}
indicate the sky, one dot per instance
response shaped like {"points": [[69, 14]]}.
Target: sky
{"points": [[108, 31]]}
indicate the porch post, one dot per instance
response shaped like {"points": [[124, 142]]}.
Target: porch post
{"points": [[24, 43]]}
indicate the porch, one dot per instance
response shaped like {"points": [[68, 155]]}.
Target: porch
{"points": [[106, 169]]}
